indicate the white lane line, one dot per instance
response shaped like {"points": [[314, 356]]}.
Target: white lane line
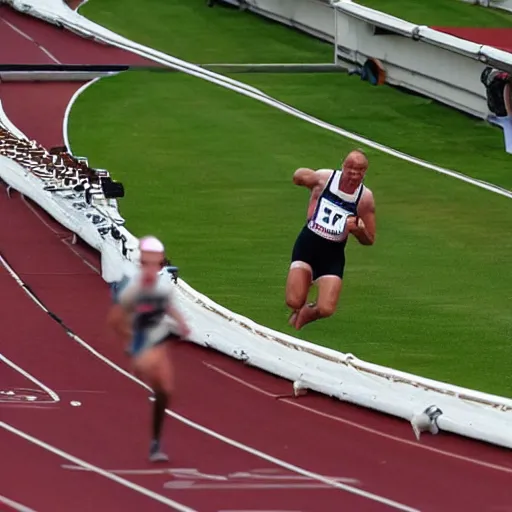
{"points": [[27, 36], [193, 475], [14, 505], [438, 451], [240, 381], [183, 485], [82, 3], [69, 106], [54, 396], [7, 405], [274, 460], [278, 462], [126, 483]]}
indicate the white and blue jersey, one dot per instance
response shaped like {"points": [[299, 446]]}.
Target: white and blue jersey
{"points": [[334, 207], [147, 307], [322, 240]]}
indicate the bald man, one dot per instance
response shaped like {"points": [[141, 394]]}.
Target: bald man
{"points": [[138, 315], [340, 205]]}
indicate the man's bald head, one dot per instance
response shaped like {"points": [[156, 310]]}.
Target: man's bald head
{"points": [[357, 158], [354, 167]]}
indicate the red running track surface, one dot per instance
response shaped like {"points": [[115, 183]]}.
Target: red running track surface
{"points": [[270, 446], [36, 247], [500, 38], [110, 428], [27, 40], [40, 101]]}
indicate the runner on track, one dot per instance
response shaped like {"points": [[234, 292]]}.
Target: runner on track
{"points": [[138, 314], [339, 204]]}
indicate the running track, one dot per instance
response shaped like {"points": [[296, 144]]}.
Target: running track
{"points": [[236, 443]]}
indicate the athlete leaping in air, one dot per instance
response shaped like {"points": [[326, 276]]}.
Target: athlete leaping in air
{"points": [[138, 315], [339, 205]]}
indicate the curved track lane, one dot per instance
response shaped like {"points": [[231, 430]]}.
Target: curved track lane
{"points": [[238, 441], [27, 40]]}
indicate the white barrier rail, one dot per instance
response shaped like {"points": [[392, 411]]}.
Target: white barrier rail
{"points": [[53, 76], [465, 412]]}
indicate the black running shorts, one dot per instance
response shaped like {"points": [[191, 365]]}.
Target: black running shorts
{"points": [[325, 257]]}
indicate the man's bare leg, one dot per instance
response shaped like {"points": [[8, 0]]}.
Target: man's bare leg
{"points": [[154, 365], [329, 289], [297, 288]]}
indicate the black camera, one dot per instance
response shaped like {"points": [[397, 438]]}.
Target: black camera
{"points": [[112, 189]]}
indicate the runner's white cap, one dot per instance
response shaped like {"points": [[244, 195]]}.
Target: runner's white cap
{"points": [[151, 244]]}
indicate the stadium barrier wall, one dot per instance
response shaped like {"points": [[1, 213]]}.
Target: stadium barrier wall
{"points": [[465, 412], [505, 5], [418, 58]]}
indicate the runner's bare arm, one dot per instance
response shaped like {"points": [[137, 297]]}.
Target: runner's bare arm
{"points": [[304, 177], [365, 229]]}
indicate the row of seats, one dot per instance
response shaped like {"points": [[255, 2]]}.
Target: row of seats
{"points": [[59, 169]]}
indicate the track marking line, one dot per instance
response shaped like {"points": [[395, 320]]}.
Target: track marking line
{"points": [[488, 465], [192, 476], [126, 483], [81, 391], [69, 106], [6, 405], [248, 449], [200, 428], [27, 36], [14, 505], [251, 386], [184, 485], [54, 396]]}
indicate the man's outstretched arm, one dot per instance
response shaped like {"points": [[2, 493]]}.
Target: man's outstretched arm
{"points": [[304, 177]]}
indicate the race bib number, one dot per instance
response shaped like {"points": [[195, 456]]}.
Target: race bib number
{"points": [[331, 217]]}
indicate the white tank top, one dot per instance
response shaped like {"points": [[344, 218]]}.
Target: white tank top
{"points": [[148, 306]]}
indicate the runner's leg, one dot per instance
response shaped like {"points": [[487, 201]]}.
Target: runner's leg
{"points": [[163, 386], [297, 287], [155, 368], [329, 289]]}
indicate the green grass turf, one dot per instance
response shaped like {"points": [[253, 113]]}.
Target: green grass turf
{"points": [[210, 172], [430, 297], [191, 31], [412, 124]]}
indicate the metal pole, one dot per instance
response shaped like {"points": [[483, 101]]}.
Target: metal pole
{"points": [[335, 32]]}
